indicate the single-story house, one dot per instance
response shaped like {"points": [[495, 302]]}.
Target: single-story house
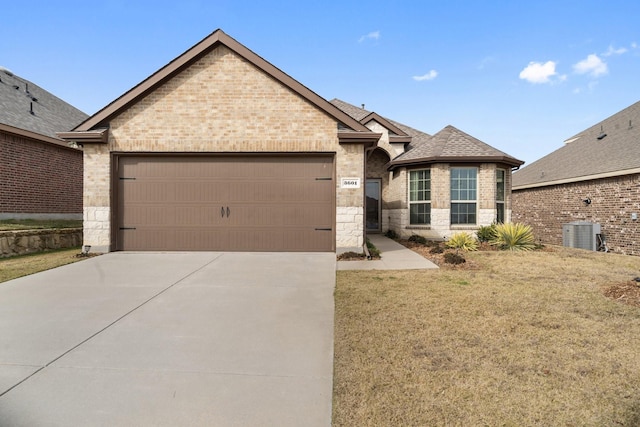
{"points": [[593, 178], [221, 150], [40, 174]]}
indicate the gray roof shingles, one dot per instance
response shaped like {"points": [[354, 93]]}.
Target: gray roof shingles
{"points": [[450, 143], [585, 156], [50, 113]]}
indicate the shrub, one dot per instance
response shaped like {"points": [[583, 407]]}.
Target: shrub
{"points": [[486, 233], [454, 258], [436, 249], [418, 239], [464, 241], [391, 234], [514, 237]]}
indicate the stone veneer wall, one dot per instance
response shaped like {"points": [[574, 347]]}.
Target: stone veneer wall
{"points": [[30, 241], [221, 103], [613, 201]]}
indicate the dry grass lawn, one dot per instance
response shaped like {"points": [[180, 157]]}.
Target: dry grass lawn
{"points": [[18, 266], [521, 339]]}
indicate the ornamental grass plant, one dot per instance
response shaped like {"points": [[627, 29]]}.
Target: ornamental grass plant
{"points": [[513, 236]]}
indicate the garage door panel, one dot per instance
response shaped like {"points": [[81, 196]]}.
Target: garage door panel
{"points": [[203, 192], [250, 203]]}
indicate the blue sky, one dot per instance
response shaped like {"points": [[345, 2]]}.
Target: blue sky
{"points": [[520, 76]]}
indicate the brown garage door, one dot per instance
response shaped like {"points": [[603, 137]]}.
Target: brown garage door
{"points": [[248, 203]]}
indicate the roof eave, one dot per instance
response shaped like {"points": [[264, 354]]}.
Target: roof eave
{"points": [[369, 139], [33, 135], [578, 179], [510, 161], [96, 136], [397, 139]]}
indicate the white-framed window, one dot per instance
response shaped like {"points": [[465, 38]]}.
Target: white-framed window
{"points": [[420, 197], [501, 182], [464, 196]]}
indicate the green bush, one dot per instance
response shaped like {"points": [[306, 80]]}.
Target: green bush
{"points": [[391, 234], [418, 239], [514, 237], [464, 241], [486, 233], [454, 258]]}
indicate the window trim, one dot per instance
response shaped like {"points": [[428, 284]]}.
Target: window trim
{"points": [[463, 202], [502, 202], [418, 202]]}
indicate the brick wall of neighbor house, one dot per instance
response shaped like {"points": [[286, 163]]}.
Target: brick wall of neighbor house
{"points": [[613, 200], [39, 179], [222, 103]]}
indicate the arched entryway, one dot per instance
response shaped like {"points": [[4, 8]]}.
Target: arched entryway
{"points": [[376, 186]]}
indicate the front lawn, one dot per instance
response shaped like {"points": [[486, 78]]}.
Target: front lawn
{"points": [[512, 339], [23, 265], [37, 224]]}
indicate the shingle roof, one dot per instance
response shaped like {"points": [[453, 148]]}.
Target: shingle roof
{"points": [[584, 156], [418, 137], [453, 145], [450, 144], [50, 114]]}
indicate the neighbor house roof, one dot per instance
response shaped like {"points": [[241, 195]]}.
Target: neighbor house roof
{"points": [[93, 129], [28, 110], [448, 145], [608, 148]]}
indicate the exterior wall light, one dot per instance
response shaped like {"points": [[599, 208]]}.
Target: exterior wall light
{"points": [[586, 201]]}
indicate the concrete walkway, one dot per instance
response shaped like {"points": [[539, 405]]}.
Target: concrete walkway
{"points": [[170, 339], [393, 256]]}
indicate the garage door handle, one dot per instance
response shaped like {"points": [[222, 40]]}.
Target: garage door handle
{"points": [[228, 211], [222, 212]]}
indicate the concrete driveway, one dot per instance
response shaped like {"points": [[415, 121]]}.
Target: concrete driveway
{"points": [[170, 339]]}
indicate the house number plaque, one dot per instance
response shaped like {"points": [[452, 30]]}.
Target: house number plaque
{"points": [[350, 183]]}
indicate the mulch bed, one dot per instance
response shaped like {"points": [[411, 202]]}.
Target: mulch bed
{"points": [[627, 293], [435, 251]]}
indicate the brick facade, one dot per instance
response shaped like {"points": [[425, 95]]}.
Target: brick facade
{"points": [[39, 179], [398, 205], [220, 104], [613, 201]]}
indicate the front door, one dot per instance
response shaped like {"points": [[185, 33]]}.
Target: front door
{"points": [[373, 208]]}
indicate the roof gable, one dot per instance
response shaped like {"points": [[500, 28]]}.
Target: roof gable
{"points": [[28, 107], [353, 131], [608, 148]]}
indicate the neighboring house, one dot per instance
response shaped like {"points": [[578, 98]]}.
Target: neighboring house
{"points": [[594, 177], [220, 150], [40, 174], [432, 185]]}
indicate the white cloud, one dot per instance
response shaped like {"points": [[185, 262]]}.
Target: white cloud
{"points": [[374, 35], [429, 76], [537, 72], [592, 65], [614, 51], [634, 45]]}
